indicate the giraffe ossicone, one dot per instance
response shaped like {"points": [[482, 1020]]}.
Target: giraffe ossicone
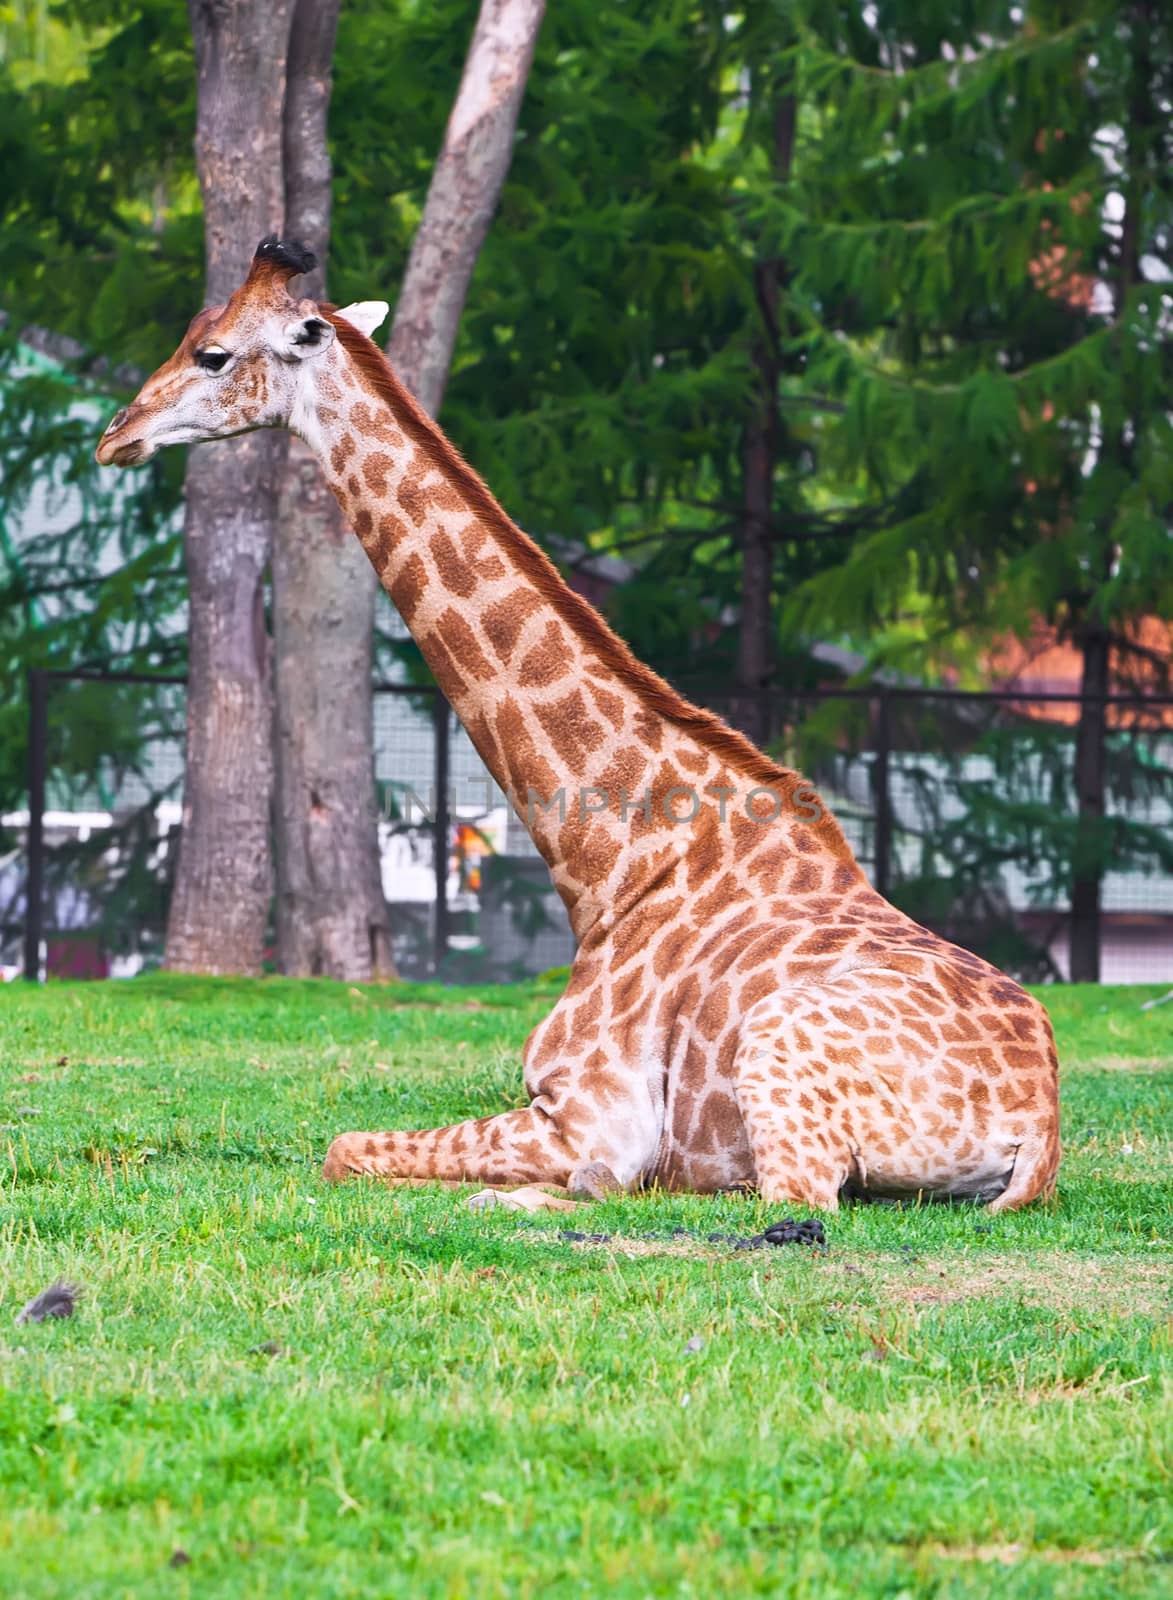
{"points": [[744, 1009]]}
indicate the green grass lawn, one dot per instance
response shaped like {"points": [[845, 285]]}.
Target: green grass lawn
{"points": [[275, 1388]]}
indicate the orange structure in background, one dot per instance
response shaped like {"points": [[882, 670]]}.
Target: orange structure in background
{"points": [[1045, 664]]}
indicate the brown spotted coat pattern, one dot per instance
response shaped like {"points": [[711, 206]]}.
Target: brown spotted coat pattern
{"points": [[743, 1008]]}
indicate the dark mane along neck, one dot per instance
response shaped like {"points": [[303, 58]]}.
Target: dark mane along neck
{"points": [[729, 746]]}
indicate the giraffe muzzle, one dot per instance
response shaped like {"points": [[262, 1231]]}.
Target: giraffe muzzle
{"points": [[115, 452]]}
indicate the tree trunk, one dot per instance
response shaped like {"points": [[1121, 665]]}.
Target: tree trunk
{"points": [[755, 639], [331, 913], [1090, 776], [220, 905], [462, 196], [755, 644], [1087, 875]]}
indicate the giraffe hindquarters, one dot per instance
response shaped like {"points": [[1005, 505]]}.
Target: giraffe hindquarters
{"points": [[836, 1101]]}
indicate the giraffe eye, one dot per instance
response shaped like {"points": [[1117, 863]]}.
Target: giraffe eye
{"points": [[211, 360]]}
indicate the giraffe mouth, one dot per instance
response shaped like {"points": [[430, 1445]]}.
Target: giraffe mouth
{"points": [[130, 454]]}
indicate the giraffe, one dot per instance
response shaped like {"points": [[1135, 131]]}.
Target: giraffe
{"points": [[744, 1009]]}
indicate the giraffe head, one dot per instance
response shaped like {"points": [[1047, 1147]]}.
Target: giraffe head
{"points": [[241, 366]]}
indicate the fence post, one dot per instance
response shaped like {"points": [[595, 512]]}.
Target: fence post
{"points": [[34, 895], [765, 707], [881, 798], [440, 722], [1087, 875]]}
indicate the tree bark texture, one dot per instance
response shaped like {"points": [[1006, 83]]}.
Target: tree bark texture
{"points": [[755, 644], [755, 639], [462, 196], [331, 913], [220, 905]]}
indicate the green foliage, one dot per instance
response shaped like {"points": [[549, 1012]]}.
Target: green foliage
{"points": [[934, 385], [967, 438], [90, 574], [981, 232]]}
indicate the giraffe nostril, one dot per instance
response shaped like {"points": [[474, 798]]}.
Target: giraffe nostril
{"points": [[117, 420]]}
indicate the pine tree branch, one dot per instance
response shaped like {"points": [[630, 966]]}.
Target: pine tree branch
{"points": [[908, 80], [1023, 375], [20, 591], [812, 402], [1085, 188]]}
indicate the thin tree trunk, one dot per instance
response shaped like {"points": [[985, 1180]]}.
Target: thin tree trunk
{"points": [[1090, 774], [463, 194], [1087, 876], [755, 639], [755, 644], [220, 905], [331, 913]]}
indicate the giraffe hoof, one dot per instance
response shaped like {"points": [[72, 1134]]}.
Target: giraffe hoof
{"points": [[337, 1164], [594, 1181]]}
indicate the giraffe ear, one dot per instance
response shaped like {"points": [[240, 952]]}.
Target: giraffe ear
{"points": [[308, 336], [366, 315]]}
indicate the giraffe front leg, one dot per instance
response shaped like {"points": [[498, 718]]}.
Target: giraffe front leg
{"points": [[514, 1148]]}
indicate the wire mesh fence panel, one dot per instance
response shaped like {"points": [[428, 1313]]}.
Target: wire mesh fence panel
{"points": [[961, 807], [506, 921], [405, 778], [503, 917], [112, 754]]}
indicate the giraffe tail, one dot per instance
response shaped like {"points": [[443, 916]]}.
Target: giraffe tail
{"points": [[1036, 1164]]}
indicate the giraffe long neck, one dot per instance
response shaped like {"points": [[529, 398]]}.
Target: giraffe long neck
{"points": [[605, 765]]}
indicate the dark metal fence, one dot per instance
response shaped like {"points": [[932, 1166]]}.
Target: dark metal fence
{"points": [[960, 806]]}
